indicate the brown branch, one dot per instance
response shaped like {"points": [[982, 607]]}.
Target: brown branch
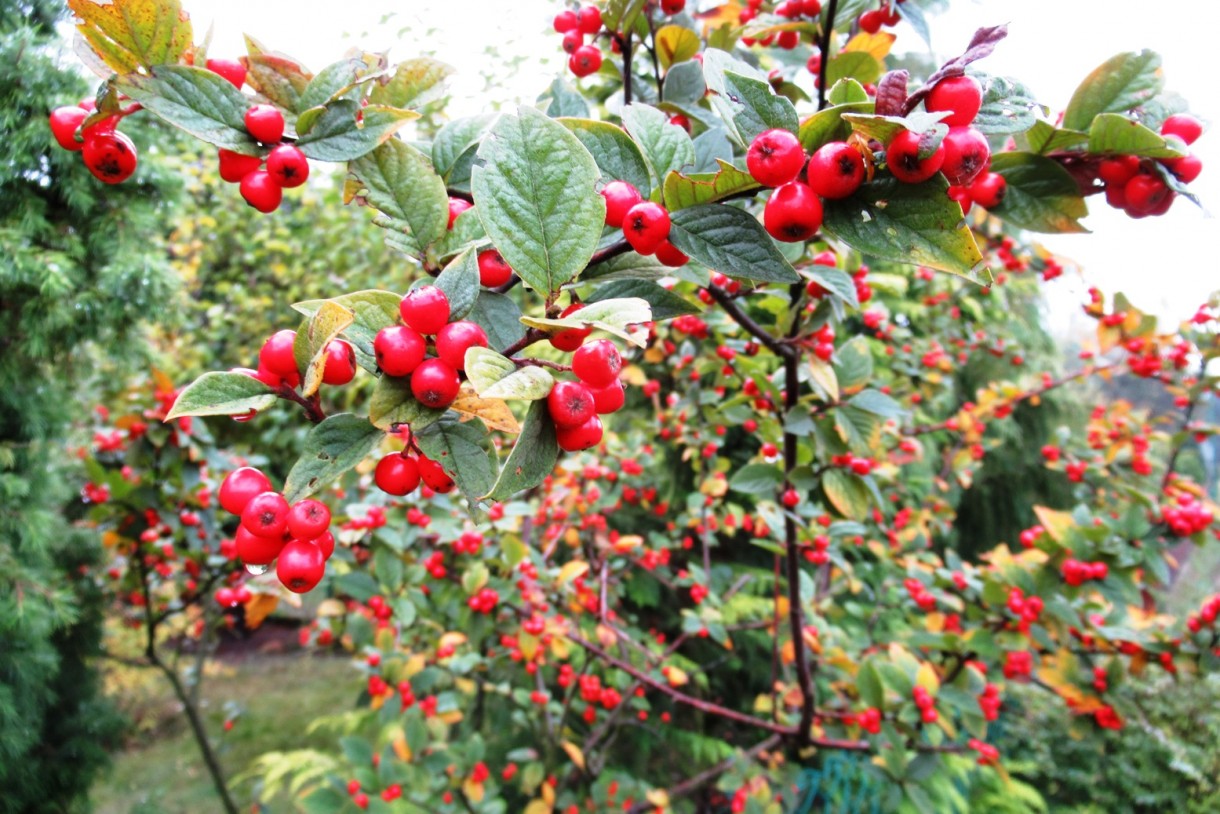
{"points": [[745, 321], [693, 784], [824, 47], [312, 406]]}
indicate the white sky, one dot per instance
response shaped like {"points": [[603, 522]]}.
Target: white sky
{"points": [[1167, 265]]}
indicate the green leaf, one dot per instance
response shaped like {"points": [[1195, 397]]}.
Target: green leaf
{"points": [[134, 34], [533, 456], [458, 448], [838, 282], [474, 578], [564, 100], [853, 364], [858, 65], [612, 316], [620, 15], [1040, 196], [827, 125], [675, 43], [399, 181], [278, 78], [847, 493], [731, 241], [682, 191], [393, 403], [1008, 107], [1115, 134], [868, 683], [460, 282], [338, 137], [415, 82], [310, 346], [628, 266], [196, 100], [664, 146], [535, 197], [906, 223], [219, 393], [323, 800], [884, 128], [331, 449], [684, 83], [846, 92], [756, 107], [860, 429], [877, 403], [1046, 138], [456, 138], [373, 311], [617, 156], [499, 316], [757, 479], [495, 376], [332, 82], [663, 303], [1117, 85]]}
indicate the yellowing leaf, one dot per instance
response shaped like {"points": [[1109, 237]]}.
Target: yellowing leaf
{"points": [[658, 797], [539, 806], [823, 375], [571, 570], [927, 678], [129, 35], [259, 608], [401, 750], [528, 645], [472, 790], [726, 14], [331, 607], [714, 487], [453, 716], [676, 676], [675, 44], [1055, 522], [451, 639], [574, 754], [495, 413], [878, 44]]}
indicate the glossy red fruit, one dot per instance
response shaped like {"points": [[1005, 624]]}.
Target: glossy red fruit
{"points": [[967, 154], [453, 340], [225, 598], [326, 542], [255, 550], [1118, 169], [565, 21], [793, 213], [235, 166], [775, 157], [620, 197], [571, 41], [288, 166], [1186, 168], [399, 350], [308, 518], [585, 60], [111, 157], [397, 474], [64, 122], [988, 190], [435, 383], [870, 21], [425, 309], [266, 514], [598, 363], [273, 379], [265, 123], [300, 566], [1184, 126], [261, 191], [961, 96], [570, 404], [673, 6], [571, 338], [277, 353], [574, 439], [434, 475], [670, 255], [239, 486], [230, 69], [646, 226], [1144, 194], [493, 271], [589, 19], [609, 399], [340, 363], [902, 158], [456, 207], [835, 171]]}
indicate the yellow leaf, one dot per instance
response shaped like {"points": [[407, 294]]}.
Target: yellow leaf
{"points": [[824, 377], [259, 608], [131, 34], [539, 806], [472, 790], [571, 570], [725, 14], [453, 716], [401, 750], [658, 797], [627, 542], [528, 645], [331, 607], [452, 639], [548, 794], [714, 487], [878, 44], [495, 413], [676, 676], [574, 754], [675, 44], [1055, 522], [927, 678]]}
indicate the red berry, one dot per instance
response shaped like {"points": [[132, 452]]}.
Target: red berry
{"points": [[226, 598], [326, 542], [1118, 169], [609, 399], [775, 157], [308, 519], [277, 354], [585, 60], [670, 255], [456, 207], [967, 154], [673, 6], [793, 213], [340, 363], [493, 271], [571, 338], [453, 340], [300, 566], [399, 350], [288, 166], [230, 69], [961, 96], [235, 166], [261, 191], [1184, 126], [565, 21], [870, 21], [265, 123], [266, 514], [646, 226], [1186, 168], [589, 19], [836, 170], [64, 122], [435, 383], [988, 190], [902, 158], [597, 363], [585, 436], [111, 157], [434, 475], [571, 41], [620, 196], [255, 550], [1144, 193], [425, 309], [239, 486], [397, 474], [570, 404]]}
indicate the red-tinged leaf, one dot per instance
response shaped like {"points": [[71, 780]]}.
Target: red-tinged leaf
{"points": [[892, 93], [981, 45]]}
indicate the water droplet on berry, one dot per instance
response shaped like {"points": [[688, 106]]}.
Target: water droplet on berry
{"points": [[256, 570]]}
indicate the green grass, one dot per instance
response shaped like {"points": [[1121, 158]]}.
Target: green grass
{"points": [[278, 696]]}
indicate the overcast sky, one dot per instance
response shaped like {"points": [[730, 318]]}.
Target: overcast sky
{"points": [[1166, 264]]}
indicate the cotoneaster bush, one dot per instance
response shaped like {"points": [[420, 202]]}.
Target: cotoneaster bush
{"points": [[671, 409]]}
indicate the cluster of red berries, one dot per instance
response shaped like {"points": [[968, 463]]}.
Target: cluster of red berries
{"points": [[988, 754], [484, 600], [277, 362], [1101, 681], [228, 597], [295, 537], [645, 224], [1206, 616], [1188, 517], [1137, 186], [1026, 608], [869, 720], [399, 473], [402, 350], [1018, 664], [926, 704], [574, 406], [794, 212], [989, 702], [920, 595], [857, 465], [576, 24], [1076, 572], [1107, 718], [789, 9], [1029, 537], [109, 154]]}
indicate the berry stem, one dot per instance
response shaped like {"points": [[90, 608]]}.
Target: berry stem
{"points": [[312, 406], [824, 46]]}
